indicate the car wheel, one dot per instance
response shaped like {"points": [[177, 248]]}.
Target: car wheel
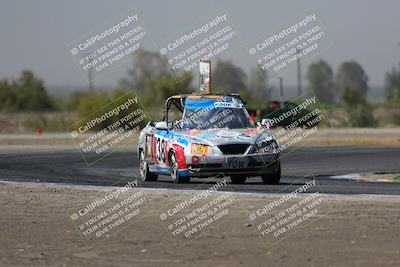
{"points": [[272, 178], [238, 179], [178, 179], [145, 174]]}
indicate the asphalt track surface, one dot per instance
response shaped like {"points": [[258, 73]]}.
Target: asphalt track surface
{"points": [[68, 167]]}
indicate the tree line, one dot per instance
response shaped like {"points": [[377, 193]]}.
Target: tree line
{"points": [[27, 93], [150, 77]]}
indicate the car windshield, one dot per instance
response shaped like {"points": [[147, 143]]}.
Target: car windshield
{"points": [[215, 113]]}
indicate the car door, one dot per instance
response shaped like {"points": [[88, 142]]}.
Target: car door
{"points": [[160, 148]]}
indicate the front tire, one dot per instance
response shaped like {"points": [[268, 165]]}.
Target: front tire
{"points": [[238, 179], [145, 174], [178, 179], [272, 178]]}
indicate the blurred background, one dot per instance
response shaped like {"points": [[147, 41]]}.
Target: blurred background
{"points": [[42, 89]]}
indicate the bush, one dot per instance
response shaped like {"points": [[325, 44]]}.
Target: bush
{"points": [[393, 118], [358, 110], [361, 116]]}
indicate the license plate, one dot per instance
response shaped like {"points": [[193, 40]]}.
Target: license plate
{"points": [[236, 162]]}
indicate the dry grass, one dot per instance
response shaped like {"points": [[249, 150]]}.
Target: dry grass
{"points": [[323, 137], [355, 136]]}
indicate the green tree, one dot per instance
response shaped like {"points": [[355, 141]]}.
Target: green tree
{"points": [[154, 82], [360, 112], [92, 102], [228, 76], [321, 81], [353, 84], [258, 89], [32, 96], [75, 98], [352, 75], [392, 87], [166, 86], [27, 93], [160, 89], [8, 96], [146, 66]]}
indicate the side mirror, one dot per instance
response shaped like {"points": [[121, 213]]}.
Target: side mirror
{"points": [[266, 123], [161, 125]]}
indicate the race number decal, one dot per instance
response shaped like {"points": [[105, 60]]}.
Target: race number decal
{"points": [[160, 150]]}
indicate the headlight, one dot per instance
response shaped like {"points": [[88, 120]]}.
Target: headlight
{"points": [[200, 149], [266, 146]]}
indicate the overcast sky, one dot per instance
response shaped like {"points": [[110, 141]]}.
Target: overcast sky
{"points": [[34, 34]]}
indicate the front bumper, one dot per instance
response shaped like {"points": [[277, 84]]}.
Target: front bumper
{"points": [[248, 165]]}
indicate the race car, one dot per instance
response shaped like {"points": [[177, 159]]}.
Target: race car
{"points": [[206, 135]]}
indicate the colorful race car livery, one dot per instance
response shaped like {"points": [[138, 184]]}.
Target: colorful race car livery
{"points": [[206, 135]]}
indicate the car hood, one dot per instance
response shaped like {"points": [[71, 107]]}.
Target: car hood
{"points": [[215, 137]]}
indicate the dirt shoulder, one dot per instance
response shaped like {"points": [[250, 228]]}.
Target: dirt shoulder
{"points": [[356, 136], [370, 177], [350, 231]]}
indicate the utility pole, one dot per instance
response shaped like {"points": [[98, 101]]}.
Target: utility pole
{"points": [[90, 73], [90, 76], [281, 98], [299, 90], [209, 80]]}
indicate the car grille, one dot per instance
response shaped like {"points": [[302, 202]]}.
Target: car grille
{"points": [[205, 166], [233, 149]]}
